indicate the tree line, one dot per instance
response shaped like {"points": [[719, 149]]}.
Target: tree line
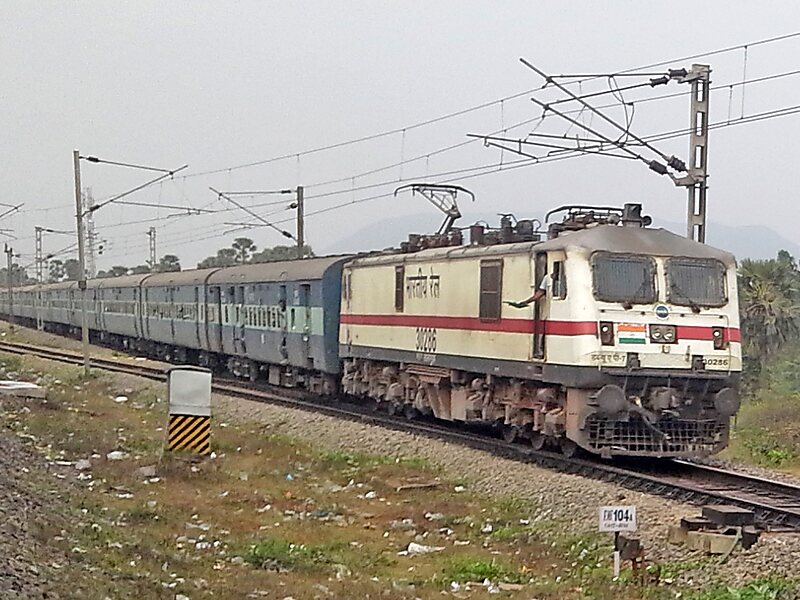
{"points": [[241, 251]]}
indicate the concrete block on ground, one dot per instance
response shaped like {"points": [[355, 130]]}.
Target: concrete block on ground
{"points": [[22, 389], [725, 515]]}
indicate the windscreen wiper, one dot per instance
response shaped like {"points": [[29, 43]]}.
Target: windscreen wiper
{"points": [[692, 303]]}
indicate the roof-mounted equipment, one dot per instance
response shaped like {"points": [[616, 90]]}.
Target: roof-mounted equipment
{"points": [[579, 217], [442, 197]]}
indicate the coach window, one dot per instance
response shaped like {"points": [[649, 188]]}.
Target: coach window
{"points": [[559, 281], [491, 286], [399, 288]]}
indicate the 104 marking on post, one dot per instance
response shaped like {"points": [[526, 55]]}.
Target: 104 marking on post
{"points": [[617, 518]]}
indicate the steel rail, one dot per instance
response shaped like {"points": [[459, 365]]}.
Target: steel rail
{"points": [[776, 505]]}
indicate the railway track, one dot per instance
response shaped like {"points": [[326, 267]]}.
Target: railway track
{"points": [[776, 505]]}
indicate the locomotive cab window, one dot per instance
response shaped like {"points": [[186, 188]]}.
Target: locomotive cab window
{"points": [[696, 282], [559, 281], [491, 287], [625, 278]]}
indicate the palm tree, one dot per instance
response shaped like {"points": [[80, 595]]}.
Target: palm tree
{"points": [[769, 291]]}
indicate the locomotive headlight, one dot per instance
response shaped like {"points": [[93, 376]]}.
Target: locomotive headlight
{"points": [[718, 335], [663, 334], [606, 333]]}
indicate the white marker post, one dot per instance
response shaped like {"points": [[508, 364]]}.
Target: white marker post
{"points": [[615, 519], [189, 390]]}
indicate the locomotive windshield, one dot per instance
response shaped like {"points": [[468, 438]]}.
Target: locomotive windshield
{"points": [[695, 282], [624, 278]]}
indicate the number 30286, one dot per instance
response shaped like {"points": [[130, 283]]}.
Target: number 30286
{"points": [[426, 339]]}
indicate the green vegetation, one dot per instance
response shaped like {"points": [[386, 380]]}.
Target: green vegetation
{"points": [[278, 554], [769, 303], [769, 588], [467, 568], [767, 428]]}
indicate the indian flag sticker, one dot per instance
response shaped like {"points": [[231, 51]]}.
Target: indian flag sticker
{"points": [[632, 333]]}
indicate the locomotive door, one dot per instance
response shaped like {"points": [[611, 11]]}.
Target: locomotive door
{"points": [[239, 346], [540, 308]]}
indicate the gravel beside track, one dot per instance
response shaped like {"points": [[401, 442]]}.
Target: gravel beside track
{"points": [[27, 521]]}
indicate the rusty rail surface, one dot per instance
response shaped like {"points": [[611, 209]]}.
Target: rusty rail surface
{"points": [[776, 505]]}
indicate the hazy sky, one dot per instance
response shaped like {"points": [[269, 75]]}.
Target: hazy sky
{"points": [[220, 84]]}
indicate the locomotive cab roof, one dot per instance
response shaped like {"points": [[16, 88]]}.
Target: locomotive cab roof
{"points": [[608, 238], [635, 240]]}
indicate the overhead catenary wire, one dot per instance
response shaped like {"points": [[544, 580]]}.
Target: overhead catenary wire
{"points": [[400, 130], [487, 169], [394, 165], [173, 219], [361, 139]]}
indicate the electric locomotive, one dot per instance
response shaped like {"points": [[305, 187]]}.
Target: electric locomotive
{"points": [[632, 349]]}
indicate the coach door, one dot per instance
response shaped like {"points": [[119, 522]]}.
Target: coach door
{"points": [[119, 293], [305, 314], [215, 319], [239, 321], [283, 321], [173, 309], [540, 308]]}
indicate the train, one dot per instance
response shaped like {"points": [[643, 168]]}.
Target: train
{"points": [[633, 348]]}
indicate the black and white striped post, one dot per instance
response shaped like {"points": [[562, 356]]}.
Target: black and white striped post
{"points": [[189, 390]]}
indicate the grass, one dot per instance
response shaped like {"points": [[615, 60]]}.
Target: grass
{"points": [[276, 553], [767, 428], [767, 588], [468, 568], [341, 459]]}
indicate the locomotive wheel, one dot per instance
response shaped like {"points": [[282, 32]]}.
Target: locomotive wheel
{"points": [[392, 409], [568, 447], [537, 440], [410, 412], [510, 433]]}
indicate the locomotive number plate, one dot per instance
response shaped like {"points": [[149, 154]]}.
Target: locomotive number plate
{"points": [[426, 339], [718, 362]]}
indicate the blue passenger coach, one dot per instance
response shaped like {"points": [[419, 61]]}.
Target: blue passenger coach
{"points": [[277, 320], [279, 316]]}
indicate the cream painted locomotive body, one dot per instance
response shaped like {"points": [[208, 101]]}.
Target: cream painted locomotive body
{"points": [[618, 358]]}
